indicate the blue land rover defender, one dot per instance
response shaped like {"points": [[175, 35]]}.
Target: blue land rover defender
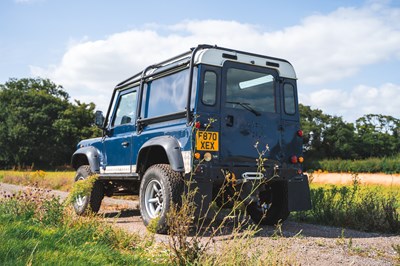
{"points": [[204, 114]]}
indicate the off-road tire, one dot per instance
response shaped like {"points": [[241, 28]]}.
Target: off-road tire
{"points": [[92, 202], [278, 210], [172, 187]]}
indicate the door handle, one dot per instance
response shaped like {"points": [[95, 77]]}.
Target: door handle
{"points": [[229, 120], [125, 144]]}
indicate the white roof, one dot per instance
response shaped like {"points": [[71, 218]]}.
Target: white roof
{"points": [[216, 57]]}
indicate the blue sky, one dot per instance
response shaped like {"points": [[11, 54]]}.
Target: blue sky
{"points": [[346, 52]]}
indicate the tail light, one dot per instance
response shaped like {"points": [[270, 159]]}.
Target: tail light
{"points": [[300, 133], [293, 159]]}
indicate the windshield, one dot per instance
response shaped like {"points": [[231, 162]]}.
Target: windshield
{"points": [[250, 90]]}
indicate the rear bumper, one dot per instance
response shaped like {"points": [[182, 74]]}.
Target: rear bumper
{"points": [[298, 191]]}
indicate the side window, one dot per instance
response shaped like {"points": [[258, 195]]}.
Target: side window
{"points": [[288, 94], [166, 95], [126, 109], [209, 88]]}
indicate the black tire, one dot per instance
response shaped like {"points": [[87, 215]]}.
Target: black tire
{"points": [[276, 198], [92, 201], [160, 187]]}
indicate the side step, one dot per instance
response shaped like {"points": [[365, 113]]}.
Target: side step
{"points": [[110, 177]]}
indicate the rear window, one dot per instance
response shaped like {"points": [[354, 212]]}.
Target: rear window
{"points": [[250, 90]]}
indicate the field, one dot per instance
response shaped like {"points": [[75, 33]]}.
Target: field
{"points": [[348, 178], [62, 180]]}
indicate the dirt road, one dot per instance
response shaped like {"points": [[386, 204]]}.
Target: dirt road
{"points": [[306, 244]]}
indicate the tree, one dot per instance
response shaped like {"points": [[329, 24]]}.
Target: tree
{"points": [[39, 125], [378, 135], [339, 139], [326, 136], [313, 123]]}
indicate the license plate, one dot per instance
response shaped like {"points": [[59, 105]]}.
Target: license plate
{"points": [[207, 141]]}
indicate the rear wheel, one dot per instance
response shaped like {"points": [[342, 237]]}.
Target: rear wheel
{"points": [[272, 205], [91, 202], [160, 187]]}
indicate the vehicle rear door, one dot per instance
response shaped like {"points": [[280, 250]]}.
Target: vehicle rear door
{"points": [[291, 139], [250, 117]]}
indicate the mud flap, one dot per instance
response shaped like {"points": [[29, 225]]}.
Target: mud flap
{"points": [[299, 193]]}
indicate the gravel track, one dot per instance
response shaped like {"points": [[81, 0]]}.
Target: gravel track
{"points": [[306, 244]]}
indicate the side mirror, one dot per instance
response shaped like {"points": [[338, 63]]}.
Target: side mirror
{"points": [[99, 119]]}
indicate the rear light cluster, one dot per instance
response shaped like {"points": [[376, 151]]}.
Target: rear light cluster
{"points": [[206, 157], [294, 159]]}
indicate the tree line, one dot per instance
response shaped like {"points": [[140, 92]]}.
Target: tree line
{"points": [[39, 126], [330, 137]]}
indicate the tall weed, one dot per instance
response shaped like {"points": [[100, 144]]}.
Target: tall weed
{"points": [[35, 204]]}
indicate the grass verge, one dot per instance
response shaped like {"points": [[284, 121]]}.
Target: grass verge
{"points": [[37, 229]]}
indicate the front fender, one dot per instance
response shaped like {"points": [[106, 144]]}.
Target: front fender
{"points": [[172, 149], [87, 155]]}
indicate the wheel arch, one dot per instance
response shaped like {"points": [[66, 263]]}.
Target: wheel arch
{"points": [[163, 149], [86, 156]]}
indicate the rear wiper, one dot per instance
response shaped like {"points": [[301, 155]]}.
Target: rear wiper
{"points": [[247, 107]]}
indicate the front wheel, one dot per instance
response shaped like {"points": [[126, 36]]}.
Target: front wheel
{"points": [[160, 187], [272, 205], [91, 202]]}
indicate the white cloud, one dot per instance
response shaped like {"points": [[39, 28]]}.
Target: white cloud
{"points": [[359, 101], [322, 48]]}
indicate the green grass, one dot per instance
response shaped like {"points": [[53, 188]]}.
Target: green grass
{"points": [[25, 243], [38, 230], [367, 208]]}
